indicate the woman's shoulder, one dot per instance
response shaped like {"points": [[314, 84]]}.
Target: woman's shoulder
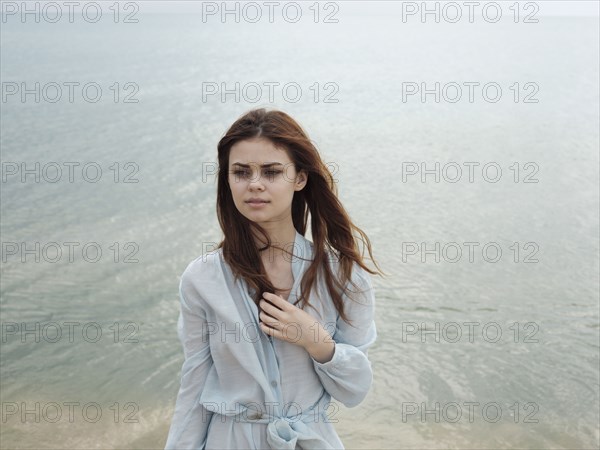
{"points": [[201, 264], [358, 273], [201, 270]]}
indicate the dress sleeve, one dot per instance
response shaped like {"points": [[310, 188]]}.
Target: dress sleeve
{"points": [[348, 376], [190, 419]]}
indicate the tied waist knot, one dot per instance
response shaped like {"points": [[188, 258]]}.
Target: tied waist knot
{"points": [[286, 432]]}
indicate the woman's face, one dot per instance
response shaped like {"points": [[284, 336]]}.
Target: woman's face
{"points": [[259, 170]]}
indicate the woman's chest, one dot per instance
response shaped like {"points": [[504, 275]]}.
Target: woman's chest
{"points": [[282, 279]]}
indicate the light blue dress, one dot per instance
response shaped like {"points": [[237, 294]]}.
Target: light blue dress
{"points": [[242, 389]]}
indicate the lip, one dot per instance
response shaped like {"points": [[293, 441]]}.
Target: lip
{"points": [[257, 203]]}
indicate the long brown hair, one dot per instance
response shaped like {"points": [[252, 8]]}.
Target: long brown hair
{"points": [[331, 226]]}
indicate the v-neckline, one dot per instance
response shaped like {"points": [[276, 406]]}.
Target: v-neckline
{"points": [[299, 248]]}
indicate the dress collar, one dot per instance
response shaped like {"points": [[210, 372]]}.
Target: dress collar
{"points": [[302, 255]]}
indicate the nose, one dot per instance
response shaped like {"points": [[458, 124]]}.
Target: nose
{"points": [[256, 182]]}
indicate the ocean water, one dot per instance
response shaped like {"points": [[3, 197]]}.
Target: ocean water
{"points": [[474, 351]]}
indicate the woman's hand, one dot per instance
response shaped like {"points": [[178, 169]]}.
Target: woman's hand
{"points": [[280, 319]]}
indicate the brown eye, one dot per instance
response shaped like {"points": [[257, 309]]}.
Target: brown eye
{"points": [[272, 173]]}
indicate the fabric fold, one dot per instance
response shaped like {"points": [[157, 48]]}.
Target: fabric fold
{"points": [[231, 364]]}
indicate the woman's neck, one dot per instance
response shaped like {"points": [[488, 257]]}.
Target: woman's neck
{"points": [[276, 256]]}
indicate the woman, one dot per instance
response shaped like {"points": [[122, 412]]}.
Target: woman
{"points": [[272, 325]]}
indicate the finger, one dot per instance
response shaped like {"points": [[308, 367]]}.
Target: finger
{"points": [[272, 298], [271, 331], [269, 308], [270, 321], [266, 329], [277, 300]]}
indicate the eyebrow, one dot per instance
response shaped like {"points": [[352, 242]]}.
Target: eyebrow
{"points": [[264, 165]]}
